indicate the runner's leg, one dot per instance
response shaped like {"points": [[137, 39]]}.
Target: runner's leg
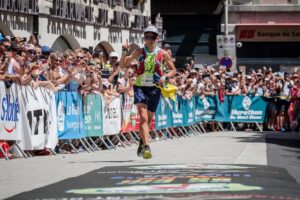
{"points": [[144, 128]]}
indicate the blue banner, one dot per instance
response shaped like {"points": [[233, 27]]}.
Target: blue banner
{"points": [[189, 111], [177, 111], [163, 115], [242, 109], [70, 122], [205, 108], [93, 116]]}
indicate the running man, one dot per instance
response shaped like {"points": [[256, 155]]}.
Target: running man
{"points": [[151, 60]]}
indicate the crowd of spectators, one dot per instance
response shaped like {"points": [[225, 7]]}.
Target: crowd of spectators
{"points": [[26, 62]]}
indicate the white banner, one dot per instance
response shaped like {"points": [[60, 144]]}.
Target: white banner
{"points": [[10, 118], [38, 114], [111, 117]]}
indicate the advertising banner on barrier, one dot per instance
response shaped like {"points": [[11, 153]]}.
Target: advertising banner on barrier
{"points": [[189, 111], [70, 122], [130, 115], [93, 116], [242, 109], [177, 112], [112, 117], [205, 108], [163, 115], [10, 117], [37, 109]]}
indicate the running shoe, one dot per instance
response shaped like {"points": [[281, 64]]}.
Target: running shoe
{"points": [[140, 150], [147, 152]]}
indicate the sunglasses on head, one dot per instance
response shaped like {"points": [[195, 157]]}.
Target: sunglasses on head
{"points": [[114, 57], [150, 37]]}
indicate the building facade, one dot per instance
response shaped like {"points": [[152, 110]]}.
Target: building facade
{"points": [[268, 32], [71, 24]]}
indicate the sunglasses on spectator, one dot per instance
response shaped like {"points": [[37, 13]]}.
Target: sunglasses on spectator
{"points": [[58, 60], [31, 52], [79, 57], [8, 48], [114, 58], [150, 37]]}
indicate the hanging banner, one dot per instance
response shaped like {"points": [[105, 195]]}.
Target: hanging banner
{"points": [[177, 111], [93, 116], [38, 126], [70, 122], [163, 114], [10, 120], [205, 108], [242, 109], [111, 117]]}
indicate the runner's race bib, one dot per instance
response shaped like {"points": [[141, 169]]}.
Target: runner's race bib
{"points": [[147, 80]]}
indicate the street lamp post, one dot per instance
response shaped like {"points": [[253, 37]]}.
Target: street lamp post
{"points": [[226, 16]]}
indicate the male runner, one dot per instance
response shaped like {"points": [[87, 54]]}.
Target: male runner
{"points": [[151, 60]]}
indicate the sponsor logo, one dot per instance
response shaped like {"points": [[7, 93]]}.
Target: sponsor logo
{"points": [[246, 103], [61, 116], [10, 111]]}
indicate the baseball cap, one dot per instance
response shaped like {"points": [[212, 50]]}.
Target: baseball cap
{"points": [[167, 46], [45, 49], [113, 54], [91, 62], [151, 29], [193, 71]]}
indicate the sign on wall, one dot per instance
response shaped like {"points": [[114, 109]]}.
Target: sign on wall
{"points": [[268, 33]]}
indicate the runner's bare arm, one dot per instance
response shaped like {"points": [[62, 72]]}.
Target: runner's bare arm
{"points": [[169, 62], [135, 55]]}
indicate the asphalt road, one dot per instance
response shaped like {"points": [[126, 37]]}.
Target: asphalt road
{"points": [[226, 165]]}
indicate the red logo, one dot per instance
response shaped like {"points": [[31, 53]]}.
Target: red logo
{"points": [[9, 130], [247, 34]]}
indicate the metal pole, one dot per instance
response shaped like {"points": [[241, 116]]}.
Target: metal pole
{"points": [[222, 129], [121, 141], [19, 148], [105, 144], [186, 131], [232, 125], [70, 143], [124, 137], [83, 144], [260, 130], [175, 133], [157, 135], [97, 148], [89, 145], [226, 16], [170, 135], [135, 141], [182, 133], [4, 154], [110, 142], [201, 125]]}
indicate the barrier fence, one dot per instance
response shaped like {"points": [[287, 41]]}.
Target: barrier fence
{"points": [[37, 118]]}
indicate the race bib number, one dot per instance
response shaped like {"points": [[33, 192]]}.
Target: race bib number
{"points": [[147, 80]]}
